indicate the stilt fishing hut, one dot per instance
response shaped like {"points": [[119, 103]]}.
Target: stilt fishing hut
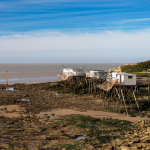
{"points": [[71, 72], [96, 74]]}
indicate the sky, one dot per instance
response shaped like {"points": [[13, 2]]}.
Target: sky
{"points": [[74, 31]]}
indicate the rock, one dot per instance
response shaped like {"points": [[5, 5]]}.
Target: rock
{"points": [[124, 148], [148, 129], [63, 148], [119, 142], [145, 145], [146, 140], [116, 148], [136, 140]]}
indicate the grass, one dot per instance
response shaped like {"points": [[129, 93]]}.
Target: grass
{"points": [[141, 74], [99, 131], [76, 146]]}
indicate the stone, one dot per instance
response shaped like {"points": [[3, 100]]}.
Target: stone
{"points": [[146, 145], [63, 148], [146, 140], [117, 148], [148, 129], [136, 140], [124, 148], [147, 148], [119, 142]]}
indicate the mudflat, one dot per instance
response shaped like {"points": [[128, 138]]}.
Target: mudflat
{"points": [[34, 118]]}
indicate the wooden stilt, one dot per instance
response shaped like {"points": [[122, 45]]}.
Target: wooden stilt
{"points": [[114, 99], [124, 102], [136, 101], [148, 95], [89, 86]]}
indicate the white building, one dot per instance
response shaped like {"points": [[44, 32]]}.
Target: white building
{"points": [[97, 74], [73, 72], [124, 78]]}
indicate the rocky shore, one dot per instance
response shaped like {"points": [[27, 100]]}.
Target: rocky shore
{"points": [[29, 120]]}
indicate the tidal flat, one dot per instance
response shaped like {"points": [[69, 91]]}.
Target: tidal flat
{"points": [[34, 118]]}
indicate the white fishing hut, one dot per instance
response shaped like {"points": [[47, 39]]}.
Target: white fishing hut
{"points": [[73, 72], [123, 78], [97, 74]]}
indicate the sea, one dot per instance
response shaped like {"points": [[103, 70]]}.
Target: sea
{"points": [[44, 72]]}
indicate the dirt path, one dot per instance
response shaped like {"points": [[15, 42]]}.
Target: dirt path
{"points": [[14, 111], [94, 114]]}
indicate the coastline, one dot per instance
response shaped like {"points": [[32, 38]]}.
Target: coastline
{"points": [[31, 114]]}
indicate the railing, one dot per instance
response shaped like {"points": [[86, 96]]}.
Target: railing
{"points": [[143, 81]]}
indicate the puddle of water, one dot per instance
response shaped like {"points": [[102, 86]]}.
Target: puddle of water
{"points": [[3, 139], [3, 135], [57, 94], [41, 112], [51, 116], [24, 99], [43, 135], [80, 138], [43, 146], [6, 142], [10, 89], [23, 138], [31, 145], [35, 141]]}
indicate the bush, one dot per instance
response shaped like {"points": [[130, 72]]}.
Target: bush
{"points": [[128, 68], [142, 65]]}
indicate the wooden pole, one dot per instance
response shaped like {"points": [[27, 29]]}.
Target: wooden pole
{"points": [[136, 102], [6, 79], [89, 86], [119, 97], [124, 102], [148, 95], [114, 99]]}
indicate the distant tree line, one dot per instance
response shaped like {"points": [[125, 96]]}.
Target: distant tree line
{"points": [[136, 68]]}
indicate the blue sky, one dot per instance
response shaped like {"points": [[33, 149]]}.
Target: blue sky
{"points": [[55, 30]]}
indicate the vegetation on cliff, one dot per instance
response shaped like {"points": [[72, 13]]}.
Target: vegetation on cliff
{"points": [[129, 68], [137, 69]]}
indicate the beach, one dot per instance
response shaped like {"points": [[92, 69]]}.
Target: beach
{"points": [[34, 118]]}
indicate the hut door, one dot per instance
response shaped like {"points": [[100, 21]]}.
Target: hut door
{"points": [[120, 79]]}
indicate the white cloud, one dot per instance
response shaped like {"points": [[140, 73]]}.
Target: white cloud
{"points": [[135, 20], [111, 43]]}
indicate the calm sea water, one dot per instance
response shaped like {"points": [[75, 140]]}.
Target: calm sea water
{"points": [[37, 73]]}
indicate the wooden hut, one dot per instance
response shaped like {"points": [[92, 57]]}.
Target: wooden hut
{"points": [[124, 78]]}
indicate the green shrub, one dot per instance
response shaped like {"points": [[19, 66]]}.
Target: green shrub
{"points": [[128, 68], [142, 65]]}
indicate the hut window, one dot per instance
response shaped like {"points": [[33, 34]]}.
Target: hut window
{"points": [[129, 77]]}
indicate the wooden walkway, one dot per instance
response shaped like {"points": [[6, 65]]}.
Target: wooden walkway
{"points": [[143, 81]]}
